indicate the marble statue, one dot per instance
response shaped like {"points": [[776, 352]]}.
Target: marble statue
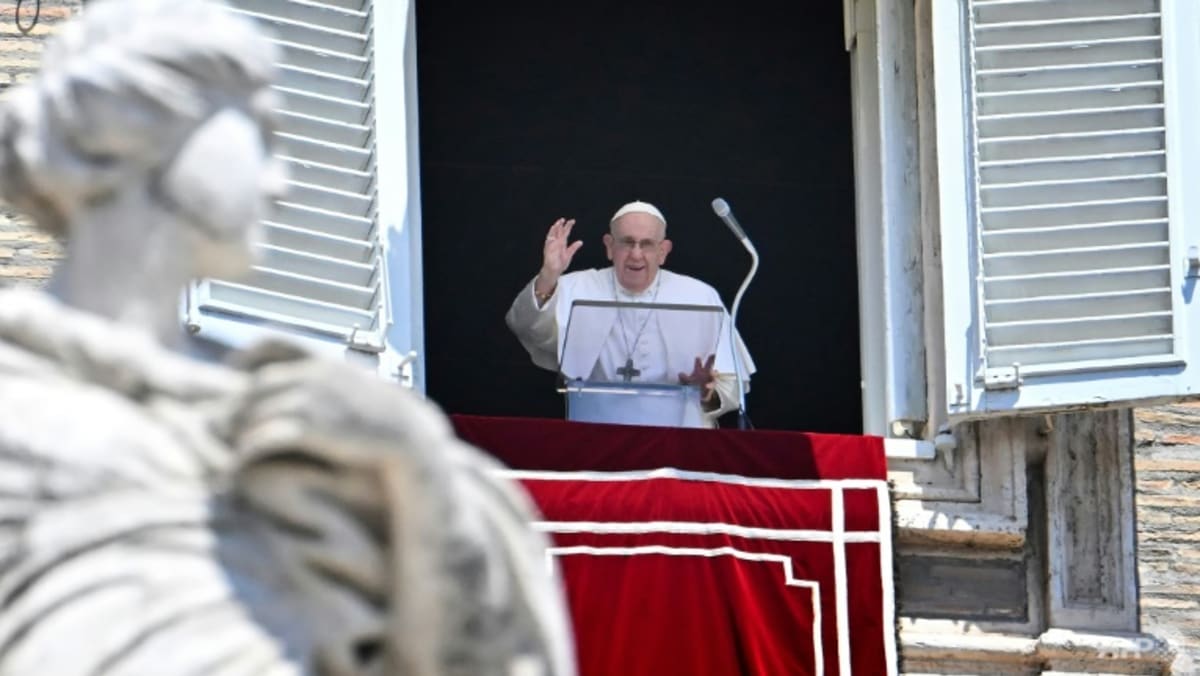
{"points": [[271, 513]]}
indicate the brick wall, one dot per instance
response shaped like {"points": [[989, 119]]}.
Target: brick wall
{"points": [[1167, 465], [26, 255]]}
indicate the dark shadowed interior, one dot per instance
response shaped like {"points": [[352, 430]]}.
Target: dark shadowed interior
{"points": [[537, 109]]}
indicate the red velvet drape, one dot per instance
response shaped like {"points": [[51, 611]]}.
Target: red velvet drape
{"points": [[760, 553]]}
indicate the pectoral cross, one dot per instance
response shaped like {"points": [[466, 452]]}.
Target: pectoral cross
{"points": [[627, 372]]}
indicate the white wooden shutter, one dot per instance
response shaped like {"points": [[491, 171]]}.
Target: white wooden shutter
{"points": [[1063, 151], [322, 268]]}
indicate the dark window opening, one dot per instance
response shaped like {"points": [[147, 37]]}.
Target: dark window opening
{"points": [[534, 110]]}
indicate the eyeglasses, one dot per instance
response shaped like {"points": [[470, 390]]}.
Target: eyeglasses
{"points": [[630, 243]]}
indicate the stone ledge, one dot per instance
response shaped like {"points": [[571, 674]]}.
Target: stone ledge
{"points": [[1055, 651], [926, 524]]}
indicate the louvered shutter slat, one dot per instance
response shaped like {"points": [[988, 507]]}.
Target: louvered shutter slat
{"points": [[1079, 305], [1060, 237], [311, 288], [316, 150], [1068, 283], [1065, 98], [1064, 329], [1071, 213], [258, 302], [1088, 167], [1035, 193], [339, 133], [295, 32], [335, 178], [304, 240], [1044, 125], [317, 196], [346, 17], [314, 104], [1104, 354], [322, 60], [325, 84], [355, 5], [1009, 263], [325, 222], [319, 266]]}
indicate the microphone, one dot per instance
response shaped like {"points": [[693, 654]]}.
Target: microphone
{"points": [[721, 209], [723, 212]]}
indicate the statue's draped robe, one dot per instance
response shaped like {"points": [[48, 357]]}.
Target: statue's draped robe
{"points": [[135, 538]]}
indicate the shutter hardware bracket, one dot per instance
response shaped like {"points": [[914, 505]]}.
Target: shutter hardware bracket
{"points": [[364, 341], [1193, 261], [1002, 377]]}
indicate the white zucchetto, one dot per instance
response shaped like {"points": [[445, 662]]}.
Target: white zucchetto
{"points": [[637, 207]]}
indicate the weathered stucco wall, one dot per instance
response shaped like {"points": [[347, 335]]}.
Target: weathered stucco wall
{"points": [[26, 255], [1167, 467]]}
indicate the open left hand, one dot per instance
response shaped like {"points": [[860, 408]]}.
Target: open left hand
{"points": [[703, 376]]}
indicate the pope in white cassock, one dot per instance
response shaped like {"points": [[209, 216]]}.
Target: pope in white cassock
{"points": [[628, 345]]}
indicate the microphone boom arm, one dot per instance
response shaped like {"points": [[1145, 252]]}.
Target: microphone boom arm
{"points": [[722, 210], [733, 342]]}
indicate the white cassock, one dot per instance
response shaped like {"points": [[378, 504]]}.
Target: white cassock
{"points": [[603, 341]]}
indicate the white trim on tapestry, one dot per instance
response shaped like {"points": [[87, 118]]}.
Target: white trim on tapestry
{"points": [[700, 528], [840, 594], [688, 475], [838, 537], [886, 574], [789, 580]]}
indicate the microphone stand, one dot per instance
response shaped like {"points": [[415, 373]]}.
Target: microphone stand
{"points": [[743, 419]]}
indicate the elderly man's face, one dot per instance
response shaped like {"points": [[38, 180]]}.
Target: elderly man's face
{"points": [[637, 247]]}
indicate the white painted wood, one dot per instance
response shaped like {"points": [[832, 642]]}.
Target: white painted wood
{"points": [[900, 213], [864, 76], [1064, 160], [349, 225], [931, 244], [399, 181], [954, 176], [888, 216]]}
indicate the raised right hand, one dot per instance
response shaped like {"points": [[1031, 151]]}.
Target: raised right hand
{"points": [[557, 254]]}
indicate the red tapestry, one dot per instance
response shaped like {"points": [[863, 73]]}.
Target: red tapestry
{"points": [[693, 562]]}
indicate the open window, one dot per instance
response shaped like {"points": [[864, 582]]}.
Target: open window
{"points": [[346, 238], [1049, 263]]}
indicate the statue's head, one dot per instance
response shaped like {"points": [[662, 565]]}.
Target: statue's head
{"points": [[169, 100]]}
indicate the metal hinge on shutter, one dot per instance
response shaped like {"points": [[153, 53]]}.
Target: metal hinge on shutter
{"points": [[1002, 377], [365, 341]]}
